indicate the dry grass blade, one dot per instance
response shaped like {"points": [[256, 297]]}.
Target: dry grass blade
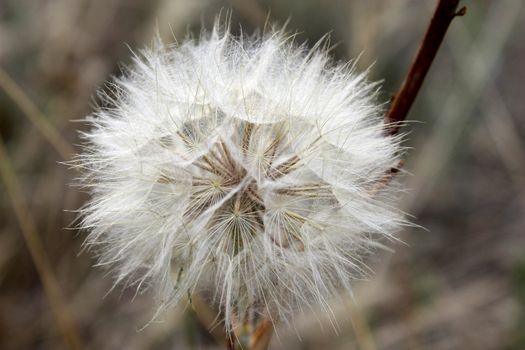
{"points": [[34, 115], [362, 331], [36, 249], [208, 318]]}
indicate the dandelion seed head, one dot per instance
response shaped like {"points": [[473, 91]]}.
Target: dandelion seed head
{"points": [[250, 169]]}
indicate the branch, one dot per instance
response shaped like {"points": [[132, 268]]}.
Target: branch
{"points": [[445, 12]]}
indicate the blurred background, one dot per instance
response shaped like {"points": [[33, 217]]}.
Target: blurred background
{"points": [[456, 283]]}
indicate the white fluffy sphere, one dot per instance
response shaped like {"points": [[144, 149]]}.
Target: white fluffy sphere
{"points": [[253, 170]]}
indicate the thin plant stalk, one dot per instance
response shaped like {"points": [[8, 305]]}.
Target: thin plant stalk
{"points": [[37, 251], [445, 12], [35, 116]]}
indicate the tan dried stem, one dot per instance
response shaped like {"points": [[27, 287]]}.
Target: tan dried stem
{"points": [[362, 331], [37, 251], [35, 116], [208, 318]]}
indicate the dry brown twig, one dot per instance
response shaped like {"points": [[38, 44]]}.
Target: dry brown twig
{"points": [[445, 12]]}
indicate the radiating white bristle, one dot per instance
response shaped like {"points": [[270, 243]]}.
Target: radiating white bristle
{"points": [[251, 169]]}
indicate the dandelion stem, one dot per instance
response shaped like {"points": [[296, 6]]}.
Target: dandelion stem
{"points": [[208, 318], [445, 12], [262, 335]]}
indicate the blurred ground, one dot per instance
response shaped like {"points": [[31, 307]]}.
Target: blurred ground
{"points": [[459, 284]]}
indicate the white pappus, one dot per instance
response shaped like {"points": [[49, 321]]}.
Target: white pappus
{"points": [[252, 170]]}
